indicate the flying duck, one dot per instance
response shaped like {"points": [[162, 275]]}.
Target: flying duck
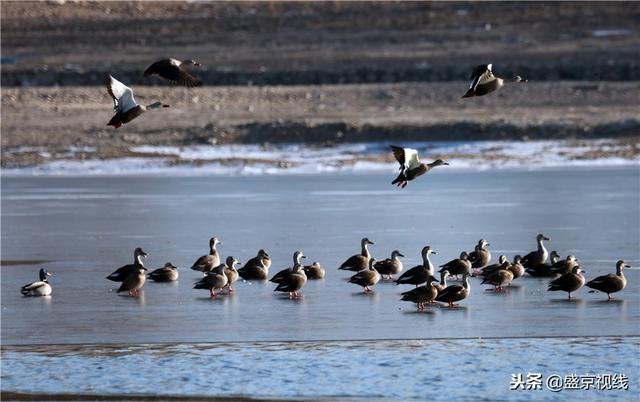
{"points": [[122, 273], [168, 273], [483, 81], [360, 261], [420, 273], [390, 266], [481, 256], [314, 271], [366, 278], [609, 283], [207, 262], [568, 282], [277, 278], [454, 293], [214, 279], [231, 272], [544, 270], [124, 104], [38, 288], [293, 282], [257, 268], [422, 294], [410, 165], [134, 282], [459, 266], [536, 257], [174, 70]]}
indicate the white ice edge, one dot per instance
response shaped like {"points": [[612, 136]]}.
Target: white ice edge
{"points": [[304, 159]]}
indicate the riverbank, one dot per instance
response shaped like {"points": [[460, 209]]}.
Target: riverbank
{"points": [[46, 124]]}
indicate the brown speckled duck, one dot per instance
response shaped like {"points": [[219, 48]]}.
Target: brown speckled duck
{"points": [[455, 293], [610, 283], [209, 261], [122, 273], [277, 278], [568, 282], [565, 266], [366, 278], [538, 256], [481, 256], [360, 261], [231, 272], [422, 294], [420, 273], [168, 273], [134, 282], [293, 282], [257, 268], [214, 279], [459, 266], [390, 266], [544, 269], [314, 271]]}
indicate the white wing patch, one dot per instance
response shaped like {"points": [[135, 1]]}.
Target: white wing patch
{"points": [[411, 158], [483, 78], [122, 96]]}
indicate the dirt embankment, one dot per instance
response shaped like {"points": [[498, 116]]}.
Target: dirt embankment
{"points": [[302, 43], [413, 58], [58, 119]]}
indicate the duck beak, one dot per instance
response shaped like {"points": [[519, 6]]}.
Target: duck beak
{"points": [[163, 105], [433, 252], [400, 255], [545, 238]]}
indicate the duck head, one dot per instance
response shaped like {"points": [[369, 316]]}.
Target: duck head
{"points": [[43, 274], [297, 256], [396, 253], [541, 237]]}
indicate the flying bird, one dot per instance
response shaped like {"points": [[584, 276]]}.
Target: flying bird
{"points": [[174, 70], [484, 82], [410, 165], [124, 104]]}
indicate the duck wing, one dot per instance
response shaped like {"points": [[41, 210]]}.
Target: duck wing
{"points": [[449, 292], [481, 75], [407, 157], [122, 95], [31, 287], [174, 72]]}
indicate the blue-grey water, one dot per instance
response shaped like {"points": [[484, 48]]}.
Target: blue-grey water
{"points": [[87, 227]]}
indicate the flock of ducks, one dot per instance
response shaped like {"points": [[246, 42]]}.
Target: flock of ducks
{"points": [[483, 82], [428, 289], [222, 276]]}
